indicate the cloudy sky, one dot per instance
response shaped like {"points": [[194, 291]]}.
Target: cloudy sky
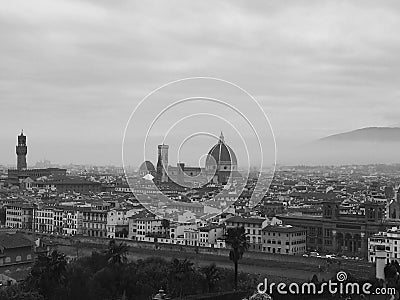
{"points": [[71, 72]]}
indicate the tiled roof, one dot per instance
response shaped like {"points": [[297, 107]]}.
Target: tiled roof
{"points": [[284, 229], [237, 219], [11, 241]]}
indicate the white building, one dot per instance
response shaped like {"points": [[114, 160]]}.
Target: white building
{"points": [[19, 215], [118, 222], [281, 239], [43, 220], [191, 237], [209, 235], [142, 227], [388, 241], [252, 226], [72, 221], [177, 231]]}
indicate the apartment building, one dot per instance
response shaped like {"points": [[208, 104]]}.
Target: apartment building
{"points": [[72, 221], [19, 216], [209, 235], [252, 226], [58, 223], [43, 220], [191, 237], [389, 241], [94, 222], [118, 222], [141, 227], [284, 239]]}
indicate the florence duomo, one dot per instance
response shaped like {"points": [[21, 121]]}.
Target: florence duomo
{"points": [[220, 167]]}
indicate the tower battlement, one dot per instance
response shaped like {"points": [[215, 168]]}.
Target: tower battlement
{"points": [[21, 151]]}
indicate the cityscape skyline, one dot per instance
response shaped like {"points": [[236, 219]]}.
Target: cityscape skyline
{"points": [[199, 150]]}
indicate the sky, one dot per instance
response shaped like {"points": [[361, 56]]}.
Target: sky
{"points": [[72, 72]]}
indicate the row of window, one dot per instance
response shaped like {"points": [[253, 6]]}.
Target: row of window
{"points": [[279, 242], [287, 251], [95, 225], [18, 258], [284, 234]]}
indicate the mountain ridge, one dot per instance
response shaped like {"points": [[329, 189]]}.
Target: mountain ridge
{"points": [[366, 134]]}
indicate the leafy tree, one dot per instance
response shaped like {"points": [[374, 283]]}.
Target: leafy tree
{"points": [[145, 277], [211, 276], [236, 238], [48, 275], [116, 253], [77, 281], [182, 277], [93, 263], [106, 283], [18, 292]]}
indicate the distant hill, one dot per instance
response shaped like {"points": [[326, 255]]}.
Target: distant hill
{"points": [[369, 135], [362, 146]]}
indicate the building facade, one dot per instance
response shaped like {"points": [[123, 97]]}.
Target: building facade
{"points": [[345, 234], [252, 226], [44, 219], [387, 241], [284, 239], [15, 249], [19, 216], [94, 222]]}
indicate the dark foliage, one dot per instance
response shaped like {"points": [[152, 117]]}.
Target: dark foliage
{"points": [[108, 275]]}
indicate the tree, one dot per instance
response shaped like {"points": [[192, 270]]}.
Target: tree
{"points": [[236, 238], [17, 291], [77, 281], [116, 253], [211, 276], [48, 275], [182, 277]]}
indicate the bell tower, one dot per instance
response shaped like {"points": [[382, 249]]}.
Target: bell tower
{"points": [[162, 163], [21, 150]]}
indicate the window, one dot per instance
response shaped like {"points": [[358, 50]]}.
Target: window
{"points": [[18, 258], [8, 259]]}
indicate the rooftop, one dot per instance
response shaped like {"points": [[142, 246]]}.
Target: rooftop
{"points": [[237, 219], [16, 240], [284, 229]]}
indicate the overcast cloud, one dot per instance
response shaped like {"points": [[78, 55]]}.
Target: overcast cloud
{"points": [[72, 71]]}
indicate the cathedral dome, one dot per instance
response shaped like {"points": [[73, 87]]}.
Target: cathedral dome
{"points": [[221, 153], [221, 161]]}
